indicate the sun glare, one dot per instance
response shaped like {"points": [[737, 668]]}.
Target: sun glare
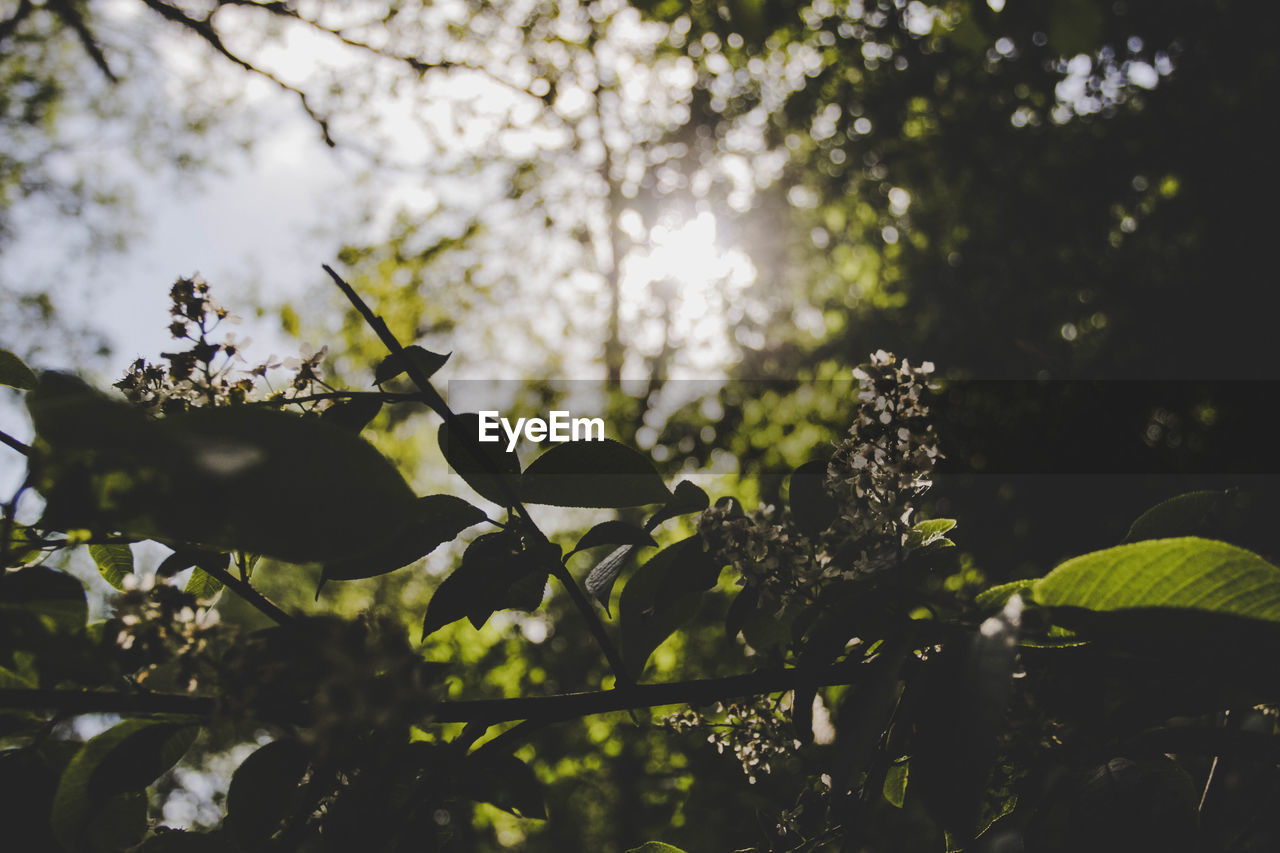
{"points": [[679, 290]]}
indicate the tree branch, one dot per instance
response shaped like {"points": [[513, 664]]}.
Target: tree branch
{"points": [[13, 443], [542, 709], [251, 596]]}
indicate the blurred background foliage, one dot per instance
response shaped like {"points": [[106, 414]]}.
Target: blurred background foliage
{"points": [[749, 192]]}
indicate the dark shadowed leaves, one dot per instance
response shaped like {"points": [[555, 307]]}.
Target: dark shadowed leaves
{"points": [[264, 791], [424, 360], [506, 782], [353, 414], [495, 474], [94, 807], [811, 507], [614, 532], [663, 595], [686, 498], [593, 474], [1191, 514], [655, 847], [14, 373], [496, 573], [37, 592], [600, 581], [439, 518], [968, 688]]}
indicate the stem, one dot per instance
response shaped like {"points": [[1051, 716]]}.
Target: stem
{"points": [[251, 596], [11, 442], [432, 398], [543, 709]]}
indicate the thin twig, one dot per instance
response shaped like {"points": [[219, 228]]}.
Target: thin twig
{"points": [[250, 595], [10, 441]]}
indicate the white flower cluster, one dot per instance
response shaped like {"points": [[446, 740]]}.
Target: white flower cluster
{"points": [[207, 373], [886, 463], [756, 730], [158, 624], [764, 550]]}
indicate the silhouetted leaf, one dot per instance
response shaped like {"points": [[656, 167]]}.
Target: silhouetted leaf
{"points": [[265, 790], [119, 762], [460, 453], [593, 474], [812, 508], [353, 414], [440, 518], [614, 532], [1190, 514], [393, 365], [686, 498], [1186, 573], [496, 573], [113, 562], [44, 593], [14, 373], [506, 782], [663, 594]]}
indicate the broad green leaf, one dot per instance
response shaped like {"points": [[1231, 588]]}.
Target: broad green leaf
{"points": [[506, 782], [265, 790], [494, 477], [895, 784], [1190, 514], [353, 414], [20, 550], [426, 361], [687, 497], [655, 847], [14, 373], [593, 474], [614, 532], [113, 561], [996, 597], [439, 519], [496, 573], [663, 594], [203, 585], [812, 508], [123, 760], [1186, 573]]}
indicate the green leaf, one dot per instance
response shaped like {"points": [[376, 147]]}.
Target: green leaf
{"points": [[1186, 573], [663, 594], [20, 540], [895, 784], [353, 414], [686, 498], [203, 585], [460, 453], [393, 365], [121, 761], [614, 532], [113, 561], [440, 519], [14, 373], [655, 847], [506, 782], [812, 508], [996, 597], [1190, 514], [930, 533], [593, 474], [265, 790], [496, 573]]}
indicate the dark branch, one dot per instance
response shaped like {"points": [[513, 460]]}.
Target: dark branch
{"points": [[10, 441], [205, 30], [251, 596], [542, 709], [10, 24], [74, 19]]}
